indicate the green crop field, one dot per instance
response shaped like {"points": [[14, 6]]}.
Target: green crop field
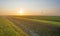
{"points": [[30, 25], [45, 19], [46, 26], [7, 28], [49, 18]]}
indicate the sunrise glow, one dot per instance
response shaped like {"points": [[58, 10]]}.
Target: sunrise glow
{"points": [[21, 12]]}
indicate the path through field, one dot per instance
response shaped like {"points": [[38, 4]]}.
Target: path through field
{"points": [[33, 28]]}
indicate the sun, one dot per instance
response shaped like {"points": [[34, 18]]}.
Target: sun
{"points": [[21, 12]]}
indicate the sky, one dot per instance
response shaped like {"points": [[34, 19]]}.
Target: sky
{"points": [[30, 7]]}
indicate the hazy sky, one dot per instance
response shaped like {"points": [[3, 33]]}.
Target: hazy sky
{"points": [[38, 7]]}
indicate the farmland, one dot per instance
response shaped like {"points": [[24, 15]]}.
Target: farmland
{"points": [[7, 28], [30, 26], [49, 18], [38, 25]]}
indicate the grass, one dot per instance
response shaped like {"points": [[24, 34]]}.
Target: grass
{"points": [[52, 30], [45, 21], [7, 28], [54, 20], [49, 18]]}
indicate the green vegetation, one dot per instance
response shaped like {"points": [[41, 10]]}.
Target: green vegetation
{"points": [[7, 28], [45, 21], [42, 25], [49, 18], [54, 20]]}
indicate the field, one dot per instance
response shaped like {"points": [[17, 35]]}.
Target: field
{"points": [[45, 19], [49, 18], [30, 25], [7, 28]]}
